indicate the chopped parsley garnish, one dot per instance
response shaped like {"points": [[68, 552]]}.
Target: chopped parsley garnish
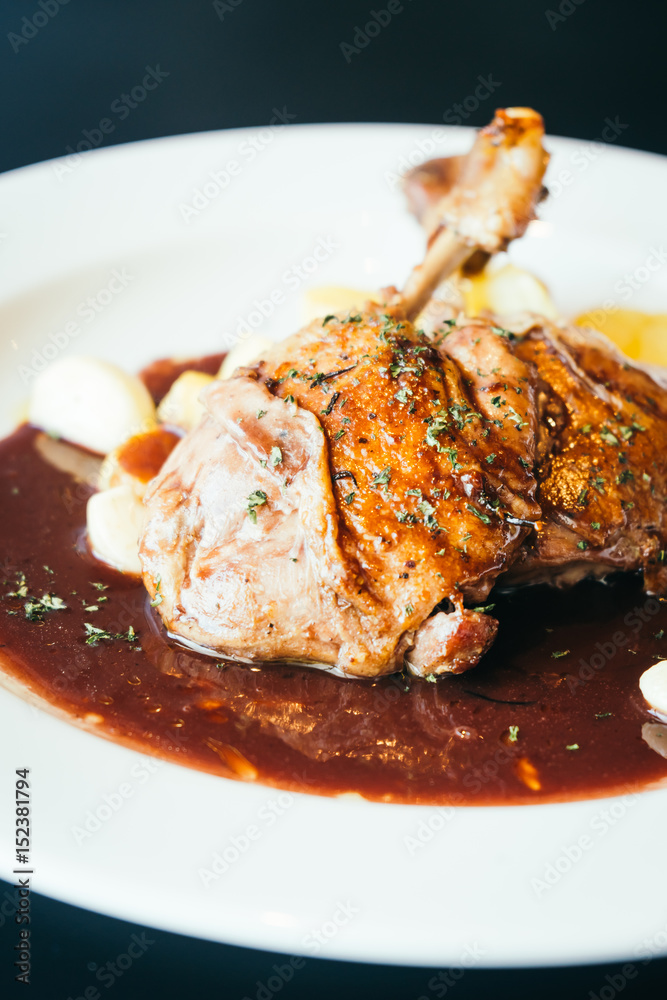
{"points": [[513, 734], [409, 610], [572, 746], [383, 478], [582, 545], [349, 498], [158, 599], [327, 319], [100, 586], [95, 635], [276, 456], [452, 455], [501, 332], [603, 715], [36, 607], [608, 437], [484, 518], [255, 499], [428, 510], [491, 458], [484, 608], [558, 653], [436, 426], [595, 525], [261, 413]]}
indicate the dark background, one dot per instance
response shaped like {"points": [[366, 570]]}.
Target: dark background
{"points": [[577, 61]]}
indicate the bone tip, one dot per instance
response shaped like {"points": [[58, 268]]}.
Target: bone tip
{"points": [[518, 121]]}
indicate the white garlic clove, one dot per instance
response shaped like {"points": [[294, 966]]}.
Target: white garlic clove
{"points": [[115, 520], [181, 406], [91, 403]]}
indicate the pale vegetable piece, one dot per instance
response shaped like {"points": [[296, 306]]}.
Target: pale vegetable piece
{"points": [[507, 290], [181, 406], [245, 353], [642, 336], [653, 685], [332, 300], [136, 461], [91, 403], [115, 520], [83, 466], [655, 734]]}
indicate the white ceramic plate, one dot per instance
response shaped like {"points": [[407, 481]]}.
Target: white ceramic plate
{"points": [[334, 878]]}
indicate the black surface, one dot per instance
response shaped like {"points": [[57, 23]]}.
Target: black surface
{"points": [[71, 946], [579, 63]]}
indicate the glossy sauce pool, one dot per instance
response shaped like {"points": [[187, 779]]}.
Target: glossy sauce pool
{"points": [[553, 712]]}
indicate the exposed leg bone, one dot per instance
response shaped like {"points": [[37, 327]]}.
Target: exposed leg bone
{"points": [[491, 203]]}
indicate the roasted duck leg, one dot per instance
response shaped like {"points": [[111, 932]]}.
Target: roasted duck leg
{"points": [[343, 500]]}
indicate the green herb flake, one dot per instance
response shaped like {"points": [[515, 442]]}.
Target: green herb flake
{"points": [[608, 437], [558, 653], [572, 746], [276, 456], [256, 499], [383, 478], [484, 518], [158, 599], [513, 734]]}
